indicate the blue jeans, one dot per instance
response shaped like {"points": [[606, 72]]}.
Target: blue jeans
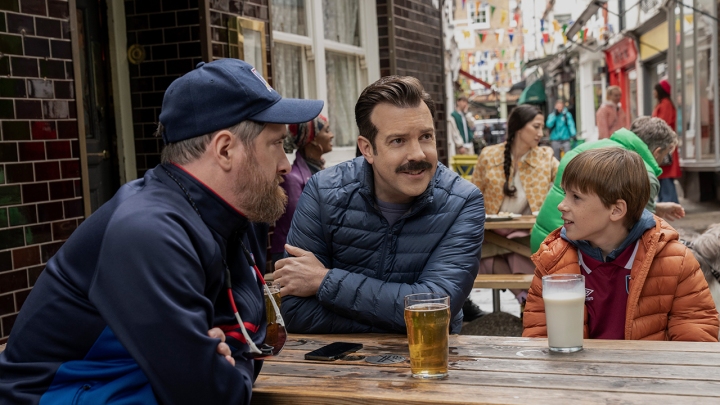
{"points": [[667, 193]]}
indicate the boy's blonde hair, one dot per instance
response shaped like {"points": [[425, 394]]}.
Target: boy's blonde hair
{"points": [[612, 174]]}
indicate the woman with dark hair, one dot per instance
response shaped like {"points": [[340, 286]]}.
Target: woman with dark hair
{"points": [[665, 110], [515, 177]]}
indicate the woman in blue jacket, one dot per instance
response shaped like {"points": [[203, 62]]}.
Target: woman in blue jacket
{"points": [[562, 127]]}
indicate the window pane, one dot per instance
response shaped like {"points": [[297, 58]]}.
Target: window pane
{"points": [[342, 94], [289, 16], [287, 70], [688, 56], [341, 19], [705, 28]]}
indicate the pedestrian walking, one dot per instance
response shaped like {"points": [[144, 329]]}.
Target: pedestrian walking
{"points": [[610, 116], [665, 110], [562, 127]]}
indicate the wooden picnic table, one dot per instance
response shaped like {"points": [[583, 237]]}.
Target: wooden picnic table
{"points": [[497, 244], [496, 370]]}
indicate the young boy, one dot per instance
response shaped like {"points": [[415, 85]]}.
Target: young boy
{"points": [[640, 281]]}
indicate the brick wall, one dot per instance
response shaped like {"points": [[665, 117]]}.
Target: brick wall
{"points": [[410, 39], [40, 188], [222, 10], [168, 30]]}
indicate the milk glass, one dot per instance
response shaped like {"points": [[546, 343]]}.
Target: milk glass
{"points": [[564, 297]]}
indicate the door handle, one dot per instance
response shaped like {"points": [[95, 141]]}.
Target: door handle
{"points": [[104, 155]]}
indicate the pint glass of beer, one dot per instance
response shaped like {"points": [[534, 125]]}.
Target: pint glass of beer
{"points": [[272, 317], [427, 318], [564, 297]]}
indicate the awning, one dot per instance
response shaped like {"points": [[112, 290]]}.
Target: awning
{"points": [[471, 77], [538, 61], [533, 94], [517, 86]]}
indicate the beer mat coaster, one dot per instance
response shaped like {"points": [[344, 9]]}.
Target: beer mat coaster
{"points": [[351, 357], [299, 342], [385, 359]]}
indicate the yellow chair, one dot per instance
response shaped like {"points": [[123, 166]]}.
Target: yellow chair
{"points": [[464, 165]]}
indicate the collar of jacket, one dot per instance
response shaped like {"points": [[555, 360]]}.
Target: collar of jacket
{"points": [[532, 158], [367, 188], [553, 249], [632, 142], [646, 222], [217, 213]]}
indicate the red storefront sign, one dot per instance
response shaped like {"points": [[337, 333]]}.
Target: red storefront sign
{"points": [[622, 54]]}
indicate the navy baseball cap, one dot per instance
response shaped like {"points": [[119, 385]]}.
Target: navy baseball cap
{"points": [[223, 93]]}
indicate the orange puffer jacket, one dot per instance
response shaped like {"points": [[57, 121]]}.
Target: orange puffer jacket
{"points": [[669, 298]]}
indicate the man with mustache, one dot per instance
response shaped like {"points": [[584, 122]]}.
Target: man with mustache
{"points": [[133, 307], [384, 225]]}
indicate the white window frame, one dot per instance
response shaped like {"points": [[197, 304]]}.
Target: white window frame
{"points": [[314, 46], [474, 16]]}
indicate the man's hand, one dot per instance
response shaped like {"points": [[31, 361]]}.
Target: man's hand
{"points": [[301, 275], [222, 348], [669, 211]]}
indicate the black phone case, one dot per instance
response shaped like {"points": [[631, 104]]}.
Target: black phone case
{"points": [[333, 351]]}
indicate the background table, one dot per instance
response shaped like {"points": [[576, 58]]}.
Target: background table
{"points": [[496, 244], [497, 370]]}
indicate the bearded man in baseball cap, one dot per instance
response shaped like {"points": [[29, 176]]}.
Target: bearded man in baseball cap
{"points": [[155, 297]]}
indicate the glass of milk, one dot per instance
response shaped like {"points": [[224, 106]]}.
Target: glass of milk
{"points": [[564, 297]]}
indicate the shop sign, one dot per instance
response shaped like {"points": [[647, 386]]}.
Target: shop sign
{"points": [[621, 54]]}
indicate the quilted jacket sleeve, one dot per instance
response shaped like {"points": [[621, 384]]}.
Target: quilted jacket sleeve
{"points": [[534, 324], [350, 302], [693, 316]]}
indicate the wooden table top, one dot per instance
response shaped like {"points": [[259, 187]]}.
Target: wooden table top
{"points": [[496, 370], [518, 281], [521, 222]]}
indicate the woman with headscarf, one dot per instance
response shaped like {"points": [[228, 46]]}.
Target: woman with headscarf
{"points": [[312, 140], [665, 110]]}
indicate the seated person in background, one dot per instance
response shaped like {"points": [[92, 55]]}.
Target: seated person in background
{"points": [[394, 222], [641, 283], [312, 140], [514, 177], [651, 138]]}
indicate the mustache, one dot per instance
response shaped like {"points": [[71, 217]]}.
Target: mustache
{"points": [[413, 166]]}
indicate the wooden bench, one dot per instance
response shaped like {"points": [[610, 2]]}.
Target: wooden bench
{"points": [[502, 281]]}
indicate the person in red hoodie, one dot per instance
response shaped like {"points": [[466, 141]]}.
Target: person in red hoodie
{"points": [[665, 110]]}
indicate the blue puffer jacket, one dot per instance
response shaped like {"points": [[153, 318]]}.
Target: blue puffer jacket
{"points": [[434, 247]]}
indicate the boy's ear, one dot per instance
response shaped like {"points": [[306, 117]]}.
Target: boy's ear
{"points": [[619, 210]]}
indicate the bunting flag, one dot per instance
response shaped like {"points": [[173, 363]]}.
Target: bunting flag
{"points": [[497, 37], [564, 28], [512, 65], [511, 36], [481, 36], [516, 17], [525, 31], [582, 35], [492, 11], [556, 26], [503, 53], [487, 54], [542, 25], [500, 35], [564, 39], [477, 6], [503, 16], [466, 34], [546, 37], [689, 18], [585, 34]]}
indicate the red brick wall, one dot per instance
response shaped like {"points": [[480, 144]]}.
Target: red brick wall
{"points": [[411, 45], [40, 188]]}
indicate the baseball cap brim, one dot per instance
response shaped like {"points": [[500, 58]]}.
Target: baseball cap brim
{"points": [[290, 111]]}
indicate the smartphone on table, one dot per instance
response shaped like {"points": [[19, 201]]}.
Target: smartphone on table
{"points": [[333, 351]]}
